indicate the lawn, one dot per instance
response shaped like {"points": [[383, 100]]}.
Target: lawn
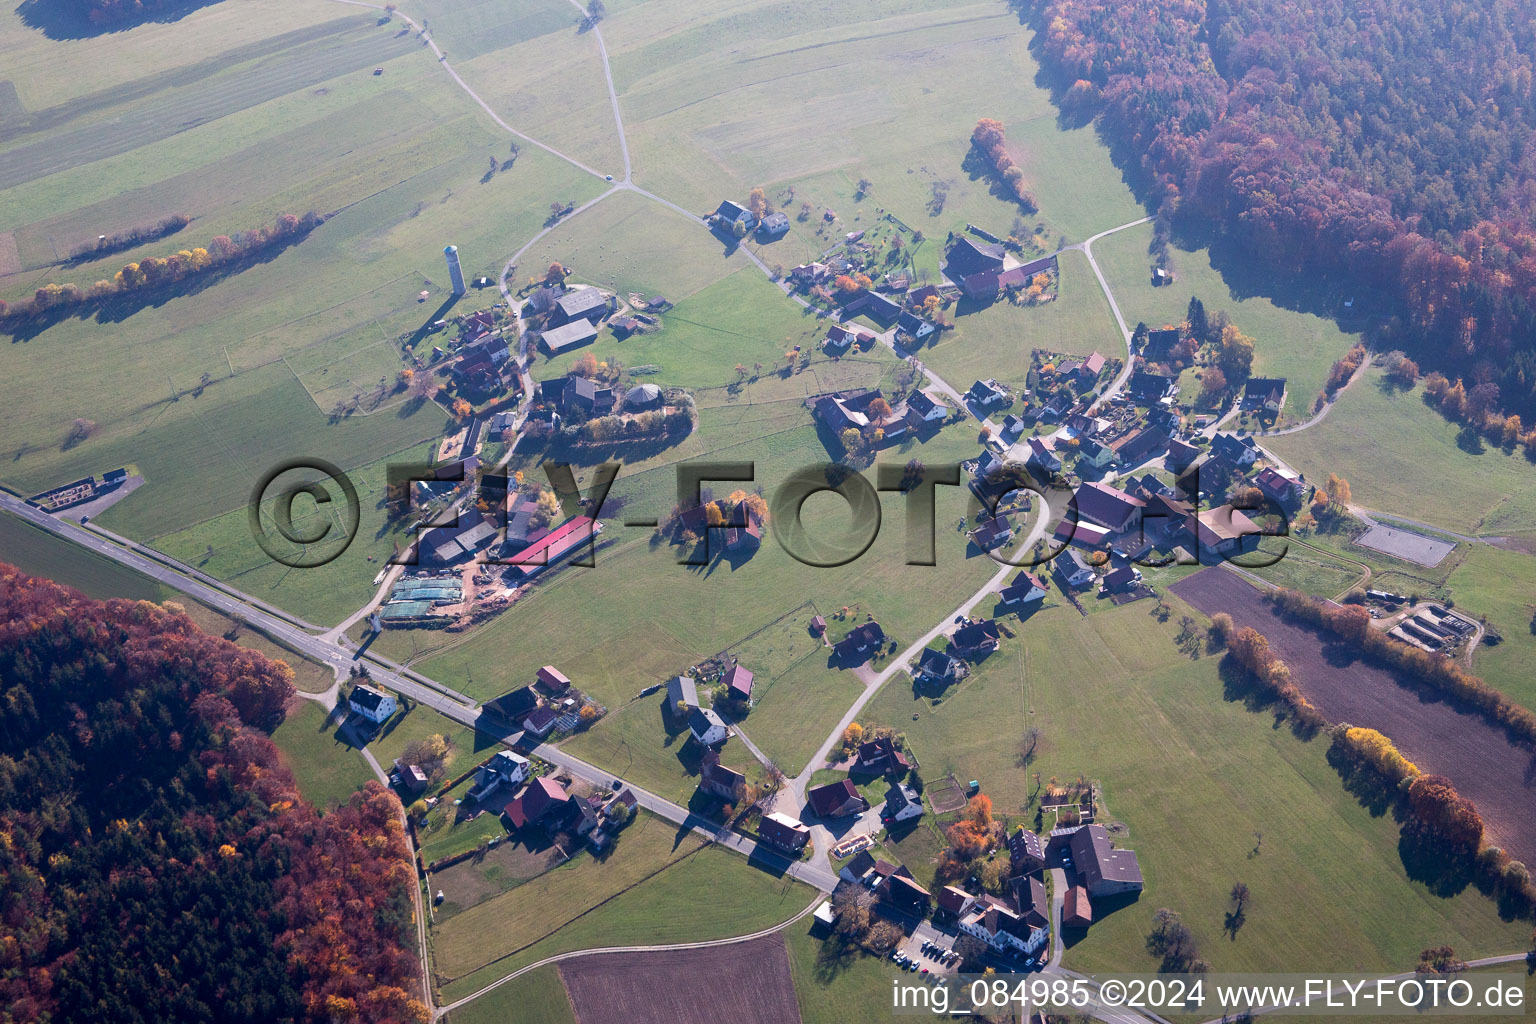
{"points": [[638, 744], [538, 996], [790, 721], [328, 771], [1297, 346], [997, 340], [1501, 585], [645, 892], [1197, 778], [1303, 568], [1401, 456], [837, 983], [740, 320], [225, 546]]}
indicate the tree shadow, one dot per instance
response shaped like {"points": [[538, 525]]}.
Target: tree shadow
{"points": [[1426, 860], [59, 21]]}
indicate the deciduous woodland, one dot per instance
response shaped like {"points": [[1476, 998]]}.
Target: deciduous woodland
{"points": [[156, 861], [1388, 142]]}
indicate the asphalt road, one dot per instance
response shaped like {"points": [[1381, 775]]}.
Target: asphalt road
{"points": [[433, 696]]}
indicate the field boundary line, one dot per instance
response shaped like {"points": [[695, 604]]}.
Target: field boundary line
{"points": [[573, 954]]}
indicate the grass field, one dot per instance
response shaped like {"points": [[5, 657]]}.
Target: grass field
{"points": [[1501, 585], [637, 744], [832, 989], [1297, 346], [645, 893], [42, 554], [1401, 456], [888, 92], [1195, 776], [538, 995], [996, 341], [327, 770]]}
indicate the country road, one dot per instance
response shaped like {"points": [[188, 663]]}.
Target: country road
{"points": [[329, 646]]}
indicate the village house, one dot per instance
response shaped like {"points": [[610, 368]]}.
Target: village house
{"points": [[642, 397], [902, 803], [922, 409], [1141, 446], [587, 304], [540, 721], [1167, 515], [986, 393], [682, 692], [839, 339], [505, 768], [779, 830], [1042, 453], [992, 533], [1059, 406], [1013, 426], [1025, 852], [1180, 455], [1082, 426], [975, 639], [1092, 453], [966, 258], [774, 225], [879, 308], [1124, 578], [514, 704], [1282, 487], [718, 780], [902, 892], [1074, 569], [1026, 588], [860, 644], [747, 537], [545, 801], [1107, 506], [738, 683], [937, 667], [1001, 927], [374, 705], [1029, 897], [707, 727], [733, 218], [879, 756], [1102, 869], [556, 340], [1150, 388], [410, 778], [1222, 531], [1267, 393], [1076, 911], [858, 869], [1088, 373], [1239, 449], [810, 273], [836, 800], [913, 326]]}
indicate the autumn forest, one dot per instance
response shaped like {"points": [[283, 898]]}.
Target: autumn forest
{"points": [[1385, 144], [157, 862]]}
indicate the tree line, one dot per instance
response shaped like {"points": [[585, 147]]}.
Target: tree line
{"points": [[106, 245], [1385, 145], [1352, 624], [989, 139], [157, 861], [154, 272]]}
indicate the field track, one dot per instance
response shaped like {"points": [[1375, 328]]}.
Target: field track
{"points": [[1486, 766]]}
